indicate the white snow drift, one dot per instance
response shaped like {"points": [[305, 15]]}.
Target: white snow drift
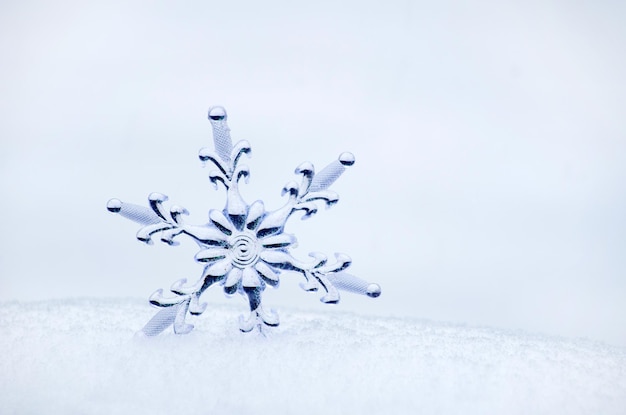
{"points": [[83, 357]]}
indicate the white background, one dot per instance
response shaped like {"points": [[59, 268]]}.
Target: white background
{"points": [[489, 186]]}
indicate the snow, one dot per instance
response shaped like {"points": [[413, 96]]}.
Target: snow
{"points": [[82, 356]]}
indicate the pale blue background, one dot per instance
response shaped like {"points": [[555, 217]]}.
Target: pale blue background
{"points": [[490, 140]]}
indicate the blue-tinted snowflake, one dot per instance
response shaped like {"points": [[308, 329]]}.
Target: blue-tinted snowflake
{"points": [[243, 247]]}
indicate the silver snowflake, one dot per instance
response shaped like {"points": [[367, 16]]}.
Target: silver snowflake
{"points": [[244, 247]]}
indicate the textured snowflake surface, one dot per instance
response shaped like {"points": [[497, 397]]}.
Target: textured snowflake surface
{"points": [[243, 247]]}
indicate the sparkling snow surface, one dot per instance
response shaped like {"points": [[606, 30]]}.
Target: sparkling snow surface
{"points": [[83, 357]]}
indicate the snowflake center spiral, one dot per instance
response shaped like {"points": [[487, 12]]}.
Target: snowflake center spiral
{"points": [[244, 250]]}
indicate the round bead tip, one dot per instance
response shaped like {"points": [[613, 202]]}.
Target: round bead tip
{"points": [[347, 159], [114, 205], [373, 290], [217, 113]]}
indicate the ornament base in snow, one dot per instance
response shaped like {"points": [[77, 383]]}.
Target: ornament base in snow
{"points": [[243, 247]]}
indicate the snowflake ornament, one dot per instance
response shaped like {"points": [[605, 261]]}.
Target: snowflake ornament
{"points": [[243, 247]]}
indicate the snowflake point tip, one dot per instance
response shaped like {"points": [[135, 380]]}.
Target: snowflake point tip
{"points": [[346, 159]]}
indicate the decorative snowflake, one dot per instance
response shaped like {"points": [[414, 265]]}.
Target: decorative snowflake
{"points": [[244, 247]]}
